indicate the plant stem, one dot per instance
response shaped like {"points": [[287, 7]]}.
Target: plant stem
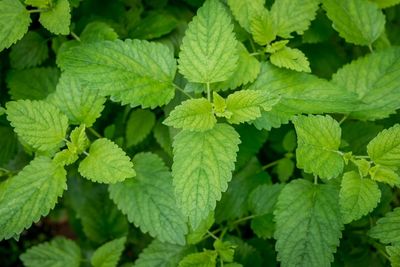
{"points": [[76, 37], [370, 48], [94, 132], [177, 87], [208, 92], [343, 119], [34, 11], [271, 164], [212, 235], [315, 179], [243, 219]]}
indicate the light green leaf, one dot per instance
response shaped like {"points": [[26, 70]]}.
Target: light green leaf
{"points": [[358, 196], [293, 16], [386, 4], [209, 48], [291, 58], [65, 157], [14, 22], [79, 140], [307, 214], [81, 105], [394, 254], [225, 250], [37, 123], [58, 18], [138, 126], [192, 114], [138, 72], [38, 3], [206, 258], [245, 10], [246, 105], [199, 183], [98, 31], [106, 163], [197, 235], [59, 252], [374, 79], [357, 21], [262, 27], [263, 198], [148, 200], [318, 141], [384, 149], [30, 51], [159, 254], [22, 86], [284, 169], [276, 46], [108, 254], [219, 106], [29, 195], [385, 175], [387, 229]]}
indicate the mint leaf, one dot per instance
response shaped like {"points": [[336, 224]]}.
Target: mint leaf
{"points": [[106, 163], [263, 198], [58, 18], [98, 31], [357, 21], [206, 258], [387, 229], [8, 144], [385, 175], [108, 254], [318, 141], [245, 10], [386, 3], [394, 254], [198, 184], [358, 196], [138, 126], [37, 123], [307, 214], [148, 200], [384, 149], [209, 48], [58, 252], [79, 140], [262, 27], [42, 183], [38, 3], [145, 77], [192, 114], [30, 51], [14, 22], [291, 58], [82, 106]]}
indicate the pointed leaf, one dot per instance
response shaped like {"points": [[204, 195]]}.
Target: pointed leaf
{"points": [[384, 149], [262, 27], [98, 31], [58, 18], [385, 175], [387, 229], [245, 10], [206, 258], [138, 126], [291, 58], [108, 254]]}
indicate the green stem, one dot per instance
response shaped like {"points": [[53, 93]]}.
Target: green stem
{"points": [[271, 164], [370, 48], [212, 235], [361, 157], [243, 219], [177, 87], [208, 92], [94, 132], [34, 11], [343, 119], [315, 179]]}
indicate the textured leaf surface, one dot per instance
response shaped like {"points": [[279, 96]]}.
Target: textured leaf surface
{"points": [[138, 126], [30, 51], [75, 100], [358, 196], [308, 224], [106, 163], [192, 114], [384, 149], [245, 10], [159, 254], [394, 254], [58, 18], [318, 141], [22, 86], [201, 259], [37, 123], [357, 21], [98, 31], [138, 72], [149, 202], [291, 58], [385, 4], [209, 48], [263, 198], [108, 254], [199, 183], [387, 229], [384, 175], [262, 27], [31, 194], [59, 252], [375, 80], [14, 22], [293, 15]]}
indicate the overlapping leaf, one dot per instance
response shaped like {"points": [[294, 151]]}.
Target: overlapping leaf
{"points": [[291, 58], [58, 18], [138, 126], [384, 149], [108, 254], [245, 10], [387, 229], [206, 258], [30, 51]]}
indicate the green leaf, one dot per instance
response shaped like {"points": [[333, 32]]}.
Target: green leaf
{"points": [[197, 235], [14, 22], [156, 24], [293, 16], [31, 194], [263, 226], [385, 175], [246, 105], [284, 169], [357, 21], [65, 157], [37, 123], [263, 198], [219, 106], [148, 200], [394, 254], [384, 149], [206, 258], [245, 10], [38, 3], [82, 106], [318, 141], [163, 137], [192, 114], [374, 79], [79, 140], [308, 224], [262, 27], [225, 250], [58, 252], [106, 163], [57, 19], [159, 254], [8, 144], [198, 184], [138, 126], [299, 93], [138, 72], [30, 51], [358, 196], [209, 48], [291, 58], [387, 229], [22, 86], [108, 254], [386, 4], [98, 31]]}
